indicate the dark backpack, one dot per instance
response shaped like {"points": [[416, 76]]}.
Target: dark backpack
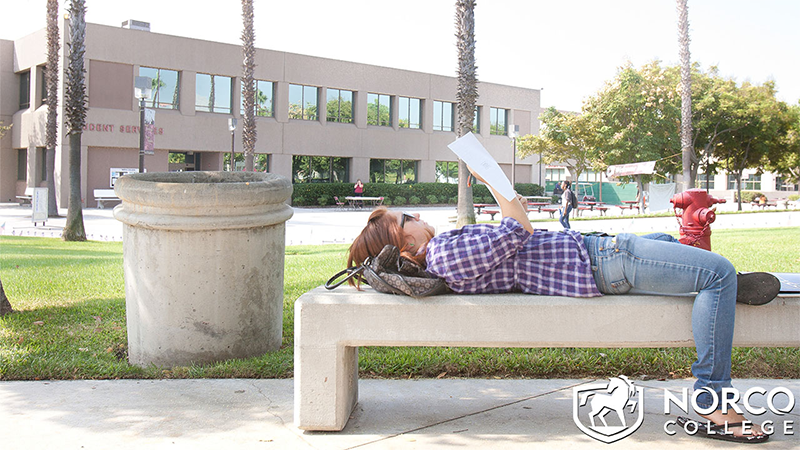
{"points": [[573, 199]]}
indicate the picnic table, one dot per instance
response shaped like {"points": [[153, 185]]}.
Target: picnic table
{"points": [[479, 206], [357, 202], [592, 205], [538, 205], [629, 204], [537, 198]]}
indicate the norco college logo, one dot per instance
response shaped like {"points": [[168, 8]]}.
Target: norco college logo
{"points": [[614, 410], [595, 401]]}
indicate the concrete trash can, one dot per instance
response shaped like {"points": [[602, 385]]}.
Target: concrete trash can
{"points": [[203, 256]]}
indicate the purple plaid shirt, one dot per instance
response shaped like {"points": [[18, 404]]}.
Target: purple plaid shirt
{"points": [[485, 259]]}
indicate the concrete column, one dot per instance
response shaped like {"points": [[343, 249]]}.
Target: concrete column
{"points": [[281, 102], [187, 96], [359, 169], [427, 171], [360, 109], [281, 164]]}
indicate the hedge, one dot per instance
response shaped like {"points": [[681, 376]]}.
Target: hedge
{"points": [[322, 194]]}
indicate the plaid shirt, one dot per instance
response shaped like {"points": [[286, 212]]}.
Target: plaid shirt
{"points": [[485, 259]]}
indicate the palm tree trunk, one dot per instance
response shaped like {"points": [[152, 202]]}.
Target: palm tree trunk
{"points": [[248, 87], [689, 157], [75, 113], [467, 94], [5, 305], [51, 78]]}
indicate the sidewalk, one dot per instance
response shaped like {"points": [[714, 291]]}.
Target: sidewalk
{"points": [[314, 226], [391, 414]]}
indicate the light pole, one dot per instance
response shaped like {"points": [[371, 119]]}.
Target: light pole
{"points": [[513, 131], [143, 88], [232, 129]]}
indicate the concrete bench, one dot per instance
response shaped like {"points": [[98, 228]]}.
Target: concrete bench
{"points": [[104, 195], [26, 198], [331, 325]]}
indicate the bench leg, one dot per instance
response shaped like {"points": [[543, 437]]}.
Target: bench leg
{"points": [[325, 386]]}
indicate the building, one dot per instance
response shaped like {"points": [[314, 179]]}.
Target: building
{"points": [[377, 123]]}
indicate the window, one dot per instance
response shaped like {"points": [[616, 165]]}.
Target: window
{"points": [[392, 171], [260, 162], [379, 110], [213, 93], [703, 184], [25, 89], [340, 106], [263, 101], [319, 169], [41, 163], [22, 164], [166, 87], [497, 121], [409, 112], [442, 116], [43, 85], [783, 185], [751, 182], [447, 171], [476, 121], [302, 102]]}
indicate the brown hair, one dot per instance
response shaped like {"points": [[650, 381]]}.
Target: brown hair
{"points": [[382, 229]]}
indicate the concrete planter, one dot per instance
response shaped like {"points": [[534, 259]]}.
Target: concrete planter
{"points": [[203, 255]]}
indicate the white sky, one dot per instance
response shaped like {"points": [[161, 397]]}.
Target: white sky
{"points": [[568, 47]]}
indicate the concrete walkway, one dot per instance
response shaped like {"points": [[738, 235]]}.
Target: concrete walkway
{"points": [[391, 414]]}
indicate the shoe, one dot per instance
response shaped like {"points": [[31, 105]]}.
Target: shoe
{"points": [[718, 431], [756, 288]]}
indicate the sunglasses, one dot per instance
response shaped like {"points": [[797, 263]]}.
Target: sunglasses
{"points": [[404, 217]]}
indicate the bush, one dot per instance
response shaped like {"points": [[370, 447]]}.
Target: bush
{"points": [[323, 200], [387, 201], [443, 199], [453, 200], [794, 197], [432, 199], [399, 200], [299, 201], [414, 200]]}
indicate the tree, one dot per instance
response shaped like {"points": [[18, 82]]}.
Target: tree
{"points": [[51, 80], [248, 85], [785, 157], [687, 150], [5, 305], [572, 139], [466, 95], [75, 112]]}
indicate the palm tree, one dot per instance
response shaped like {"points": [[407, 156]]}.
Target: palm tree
{"points": [[466, 95], [51, 78], [75, 113], [689, 156], [248, 85]]}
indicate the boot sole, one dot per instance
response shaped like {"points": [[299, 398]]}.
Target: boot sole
{"points": [[756, 288]]}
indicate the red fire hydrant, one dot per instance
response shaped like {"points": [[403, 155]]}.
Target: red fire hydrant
{"points": [[696, 218]]}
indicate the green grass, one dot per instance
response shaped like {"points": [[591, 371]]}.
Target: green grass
{"points": [[70, 322]]}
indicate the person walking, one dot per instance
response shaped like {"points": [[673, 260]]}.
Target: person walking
{"points": [[566, 204]]}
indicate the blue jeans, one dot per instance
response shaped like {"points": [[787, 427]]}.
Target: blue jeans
{"points": [[564, 217], [659, 264]]}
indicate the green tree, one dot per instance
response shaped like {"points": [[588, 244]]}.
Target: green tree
{"points": [[5, 305], [571, 139], [249, 132], [75, 112], [378, 114], [466, 95], [785, 157], [51, 83]]}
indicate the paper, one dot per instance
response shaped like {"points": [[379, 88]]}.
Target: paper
{"points": [[479, 160]]}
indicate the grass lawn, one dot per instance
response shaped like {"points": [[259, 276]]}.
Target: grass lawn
{"points": [[70, 322]]}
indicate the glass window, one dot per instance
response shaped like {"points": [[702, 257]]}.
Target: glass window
{"points": [[263, 101], [750, 182], [409, 112], [302, 102], [703, 184], [213, 93], [25, 89], [22, 164], [166, 87], [442, 116], [392, 171], [319, 169], [379, 110], [781, 184], [340, 106], [476, 121], [498, 119], [43, 85], [447, 172]]}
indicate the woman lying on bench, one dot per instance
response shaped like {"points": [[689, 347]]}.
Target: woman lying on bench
{"points": [[514, 257]]}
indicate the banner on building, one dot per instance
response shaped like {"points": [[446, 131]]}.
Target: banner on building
{"points": [[622, 170], [149, 131]]}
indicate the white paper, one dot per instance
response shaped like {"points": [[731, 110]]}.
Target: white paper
{"points": [[469, 149]]}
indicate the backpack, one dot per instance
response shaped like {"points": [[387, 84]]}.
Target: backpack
{"points": [[573, 199]]}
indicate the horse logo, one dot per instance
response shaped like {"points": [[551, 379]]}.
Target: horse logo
{"points": [[596, 401]]}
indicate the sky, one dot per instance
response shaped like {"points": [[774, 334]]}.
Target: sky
{"points": [[567, 48]]}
